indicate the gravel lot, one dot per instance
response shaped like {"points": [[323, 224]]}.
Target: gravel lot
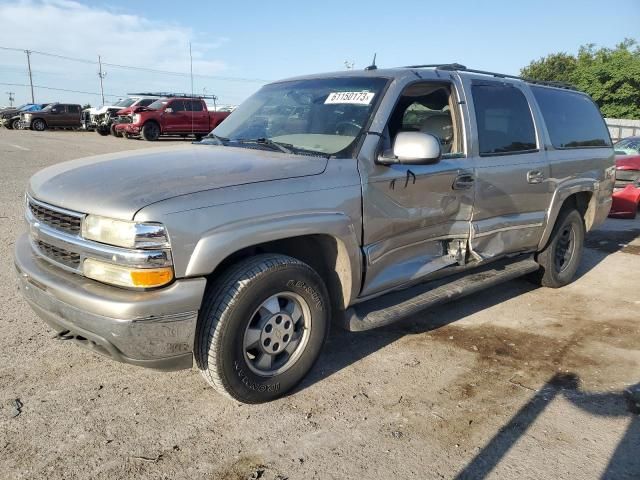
{"points": [[515, 382]]}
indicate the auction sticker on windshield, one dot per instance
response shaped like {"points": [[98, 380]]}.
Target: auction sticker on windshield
{"points": [[357, 98]]}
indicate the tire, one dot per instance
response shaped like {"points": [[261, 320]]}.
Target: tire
{"points": [[103, 130], [115, 132], [250, 310], [38, 125], [150, 131], [198, 137], [560, 259], [15, 124]]}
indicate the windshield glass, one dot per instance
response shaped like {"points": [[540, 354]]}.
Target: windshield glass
{"points": [[322, 115], [125, 102], [159, 103], [628, 146]]}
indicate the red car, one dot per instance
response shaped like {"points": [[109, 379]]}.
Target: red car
{"points": [[174, 116], [626, 193]]}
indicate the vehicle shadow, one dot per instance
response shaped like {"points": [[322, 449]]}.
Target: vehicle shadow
{"points": [[623, 464], [345, 348], [603, 242]]}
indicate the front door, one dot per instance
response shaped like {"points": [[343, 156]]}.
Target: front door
{"points": [[176, 118], [512, 171], [416, 217]]}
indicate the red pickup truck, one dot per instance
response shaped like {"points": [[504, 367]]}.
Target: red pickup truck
{"points": [[174, 116]]}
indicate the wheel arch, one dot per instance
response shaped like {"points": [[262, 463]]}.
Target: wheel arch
{"points": [[581, 197], [328, 245], [36, 119]]}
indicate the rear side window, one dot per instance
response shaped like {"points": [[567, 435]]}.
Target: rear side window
{"points": [[572, 119], [196, 106], [504, 120], [73, 108]]}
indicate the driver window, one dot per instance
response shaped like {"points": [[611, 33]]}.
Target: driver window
{"points": [[428, 108]]}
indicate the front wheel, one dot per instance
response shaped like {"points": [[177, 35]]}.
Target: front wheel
{"points": [[15, 124], [150, 131], [560, 259], [39, 125], [261, 328]]}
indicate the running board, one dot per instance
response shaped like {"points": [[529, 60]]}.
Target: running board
{"points": [[397, 305]]}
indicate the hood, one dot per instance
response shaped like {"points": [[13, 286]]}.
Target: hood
{"points": [[9, 112], [628, 162], [101, 110], [118, 185]]}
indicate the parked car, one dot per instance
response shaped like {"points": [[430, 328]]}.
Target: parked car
{"points": [[10, 118], [54, 115], [626, 192], [320, 198], [174, 116], [627, 146], [101, 119]]}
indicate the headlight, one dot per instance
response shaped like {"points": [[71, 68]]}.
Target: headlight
{"points": [[136, 118], [122, 233], [126, 276]]}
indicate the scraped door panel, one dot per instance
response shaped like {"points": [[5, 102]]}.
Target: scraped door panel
{"points": [[409, 213]]}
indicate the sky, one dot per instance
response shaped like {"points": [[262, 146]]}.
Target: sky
{"points": [[239, 46]]}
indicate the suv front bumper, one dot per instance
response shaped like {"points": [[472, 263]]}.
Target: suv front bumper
{"points": [[153, 328]]}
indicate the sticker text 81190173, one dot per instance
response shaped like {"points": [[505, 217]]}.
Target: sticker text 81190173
{"points": [[357, 98]]}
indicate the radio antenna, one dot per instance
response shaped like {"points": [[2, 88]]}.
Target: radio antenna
{"points": [[373, 64], [191, 70]]}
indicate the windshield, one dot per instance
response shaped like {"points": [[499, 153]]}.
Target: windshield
{"points": [[28, 108], [125, 102], [628, 146], [321, 115], [159, 103]]}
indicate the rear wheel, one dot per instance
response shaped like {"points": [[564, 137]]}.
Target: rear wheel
{"points": [[103, 130], [261, 328], [39, 125], [560, 259], [150, 131]]}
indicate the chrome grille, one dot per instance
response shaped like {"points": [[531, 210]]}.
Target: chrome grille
{"points": [[56, 218], [59, 255]]}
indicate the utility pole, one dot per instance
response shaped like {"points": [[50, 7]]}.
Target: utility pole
{"points": [[28, 52], [11, 98], [101, 74]]}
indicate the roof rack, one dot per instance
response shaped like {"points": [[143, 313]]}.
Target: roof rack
{"points": [[176, 95], [459, 67]]}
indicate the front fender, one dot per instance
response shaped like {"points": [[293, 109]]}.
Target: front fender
{"points": [[219, 243]]}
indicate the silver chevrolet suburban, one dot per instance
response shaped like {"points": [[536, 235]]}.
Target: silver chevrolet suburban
{"points": [[357, 197]]}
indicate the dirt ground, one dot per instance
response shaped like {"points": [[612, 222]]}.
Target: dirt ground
{"points": [[514, 382]]}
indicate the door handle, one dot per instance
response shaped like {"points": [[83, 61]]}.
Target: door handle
{"points": [[464, 181], [535, 176]]}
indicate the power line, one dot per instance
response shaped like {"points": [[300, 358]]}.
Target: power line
{"points": [[60, 89], [142, 69]]}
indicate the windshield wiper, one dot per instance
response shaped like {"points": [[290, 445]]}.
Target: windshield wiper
{"points": [[283, 147]]}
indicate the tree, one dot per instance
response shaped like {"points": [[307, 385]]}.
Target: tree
{"points": [[88, 105], [610, 76]]}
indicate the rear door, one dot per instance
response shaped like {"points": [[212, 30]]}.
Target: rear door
{"points": [[200, 116], [512, 185], [72, 116]]}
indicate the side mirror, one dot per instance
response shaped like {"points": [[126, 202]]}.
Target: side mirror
{"points": [[54, 110], [168, 110], [413, 148]]}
